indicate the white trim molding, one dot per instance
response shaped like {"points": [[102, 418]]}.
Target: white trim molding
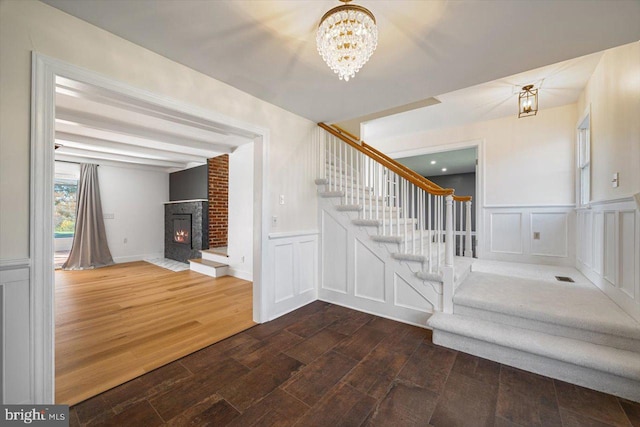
{"points": [[287, 234], [45, 70]]}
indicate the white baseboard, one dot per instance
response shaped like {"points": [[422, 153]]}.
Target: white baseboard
{"points": [[244, 275], [132, 258]]}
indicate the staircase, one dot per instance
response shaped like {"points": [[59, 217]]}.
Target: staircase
{"points": [[212, 263], [418, 237], [405, 221], [573, 333]]}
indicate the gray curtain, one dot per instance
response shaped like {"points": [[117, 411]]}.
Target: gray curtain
{"points": [[89, 249]]}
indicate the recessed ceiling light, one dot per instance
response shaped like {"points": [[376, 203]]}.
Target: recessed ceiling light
{"points": [[433, 162], [444, 169]]}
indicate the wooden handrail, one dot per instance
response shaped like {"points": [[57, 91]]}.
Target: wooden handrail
{"points": [[407, 170], [389, 164]]}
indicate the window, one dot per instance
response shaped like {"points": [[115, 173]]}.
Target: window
{"points": [[584, 162], [64, 197]]}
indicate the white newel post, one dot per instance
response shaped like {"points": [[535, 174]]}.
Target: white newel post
{"points": [[468, 249], [447, 270], [448, 230]]}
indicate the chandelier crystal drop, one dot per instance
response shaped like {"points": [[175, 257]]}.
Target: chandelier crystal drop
{"points": [[347, 36]]}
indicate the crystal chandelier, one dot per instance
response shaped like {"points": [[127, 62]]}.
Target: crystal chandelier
{"points": [[347, 36]]}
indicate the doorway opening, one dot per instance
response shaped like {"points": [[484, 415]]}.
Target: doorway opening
{"points": [[458, 167], [81, 88]]}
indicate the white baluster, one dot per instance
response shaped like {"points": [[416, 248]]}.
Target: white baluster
{"points": [[468, 248], [397, 194], [414, 216], [429, 229], [384, 204]]}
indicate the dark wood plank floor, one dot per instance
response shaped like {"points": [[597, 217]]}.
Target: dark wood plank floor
{"points": [[325, 365]]}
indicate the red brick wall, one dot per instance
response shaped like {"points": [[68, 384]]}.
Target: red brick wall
{"points": [[218, 200]]}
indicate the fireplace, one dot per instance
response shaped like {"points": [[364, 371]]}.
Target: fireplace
{"points": [[182, 229], [186, 229]]}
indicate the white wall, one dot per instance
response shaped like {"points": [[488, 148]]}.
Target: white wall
{"points": [[132, 204], [30, 25], [608, 230], [240, 227], [527, 181], [27, 26], [613, 93]]}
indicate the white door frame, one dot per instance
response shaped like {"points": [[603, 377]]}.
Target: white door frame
{"points": [[478, 203], [42, 321]]}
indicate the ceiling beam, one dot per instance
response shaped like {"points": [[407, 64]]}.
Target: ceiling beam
{"points": [[143, 136], [97, 144], [94, 155], [104, 96]]}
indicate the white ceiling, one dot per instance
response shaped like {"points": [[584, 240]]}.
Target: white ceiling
{"points": [[426, 48], [456, 161], [558, 84]]}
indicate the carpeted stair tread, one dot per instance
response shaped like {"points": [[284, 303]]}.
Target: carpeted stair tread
{"points": [[593, 356], [582, 307]]}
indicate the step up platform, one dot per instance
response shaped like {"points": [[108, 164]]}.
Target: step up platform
{"points": [[209, 268], [520, 315]]}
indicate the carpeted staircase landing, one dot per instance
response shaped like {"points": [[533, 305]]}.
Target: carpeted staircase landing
{"points": [[527, 319]]}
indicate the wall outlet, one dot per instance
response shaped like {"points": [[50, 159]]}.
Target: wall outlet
{"points": [[536, 235], [274, 221], [242, 259], [125, 240], [282, 199]]}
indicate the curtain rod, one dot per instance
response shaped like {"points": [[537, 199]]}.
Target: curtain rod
{"points": [[74, 163]]}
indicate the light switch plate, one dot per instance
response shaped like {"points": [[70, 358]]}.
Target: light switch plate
{"points": [[615, 182]]}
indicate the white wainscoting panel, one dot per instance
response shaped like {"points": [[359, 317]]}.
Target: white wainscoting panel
{"points": [[610, 247], [370, 275], [510, 234], [614, 242], [283, 271], [308, 264], [552, 229], [407, 296], [506, 232], [626, 250], [294, 263], [598, 242], [334, 254], [14, 335], [361, 274]]}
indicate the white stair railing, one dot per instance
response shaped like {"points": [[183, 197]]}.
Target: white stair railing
{"points": [[425, 221]]}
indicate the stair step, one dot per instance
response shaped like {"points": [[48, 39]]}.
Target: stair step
{"points": [[209, 268], [363, 222], [604, 368], [510, 301], [215, 255]]}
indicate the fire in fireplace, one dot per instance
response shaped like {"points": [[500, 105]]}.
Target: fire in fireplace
{"points": [[182, 229]]}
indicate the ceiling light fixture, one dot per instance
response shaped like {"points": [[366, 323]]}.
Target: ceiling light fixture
{"points": [[433, 162], [346, 38], [528, 101], [444, 169]]}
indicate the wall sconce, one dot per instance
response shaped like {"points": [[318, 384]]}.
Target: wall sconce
{"points": [[528, 101]]}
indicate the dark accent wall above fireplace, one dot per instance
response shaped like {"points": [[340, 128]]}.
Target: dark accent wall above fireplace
{"points": [[189, 184]]}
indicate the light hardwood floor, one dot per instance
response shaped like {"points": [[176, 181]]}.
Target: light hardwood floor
{"points": [[116, 323]]}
